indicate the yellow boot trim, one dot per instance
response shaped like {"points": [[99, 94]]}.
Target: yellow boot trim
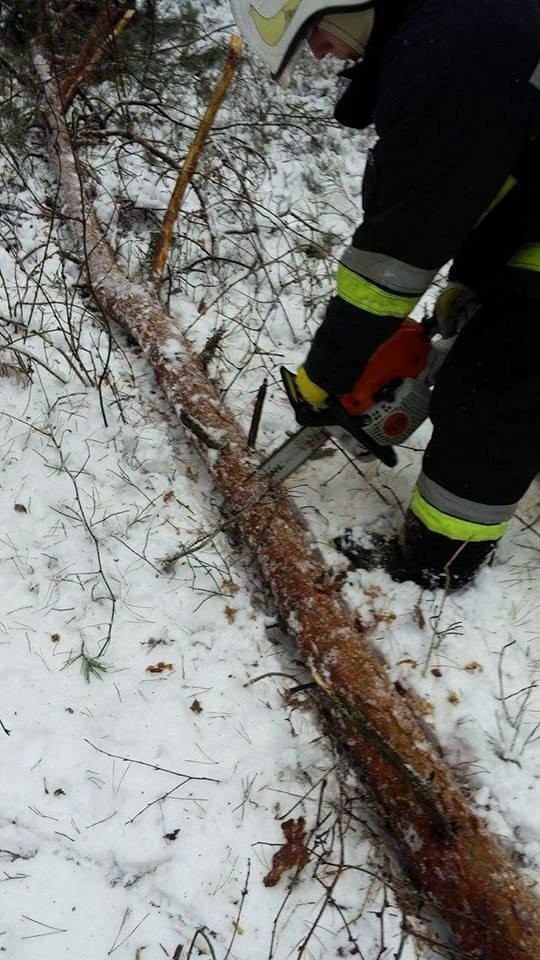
{"points": [[452, 527], [367, 296]]}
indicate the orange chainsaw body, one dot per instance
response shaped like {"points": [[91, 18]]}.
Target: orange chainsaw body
{"points": [[403, 356]]}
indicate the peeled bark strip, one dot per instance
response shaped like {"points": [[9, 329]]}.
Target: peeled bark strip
{"points": [[446, 849]]}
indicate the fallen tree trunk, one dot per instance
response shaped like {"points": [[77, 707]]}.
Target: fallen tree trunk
{"points": [[445, 848]]}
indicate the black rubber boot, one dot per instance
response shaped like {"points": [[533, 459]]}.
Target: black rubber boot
{"points": [[417, 554], [383, 552]]}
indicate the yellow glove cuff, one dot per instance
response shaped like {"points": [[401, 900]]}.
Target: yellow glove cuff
{"points": [[310, 391], [453, 308], [447, 298]]}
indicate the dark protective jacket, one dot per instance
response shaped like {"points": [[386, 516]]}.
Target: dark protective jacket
{"points": [[447, 84]]}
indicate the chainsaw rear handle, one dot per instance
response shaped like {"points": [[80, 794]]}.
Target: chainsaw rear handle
{"points": [[333, 414], [403, 356], [387, 402]]}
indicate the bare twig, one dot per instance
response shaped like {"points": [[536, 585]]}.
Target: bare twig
{"points": [[257, 413], [153, 766], [200, 932], [239, 914], [118, 943]]}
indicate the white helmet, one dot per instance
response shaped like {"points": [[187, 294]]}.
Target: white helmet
{"points": [[275, 29]]}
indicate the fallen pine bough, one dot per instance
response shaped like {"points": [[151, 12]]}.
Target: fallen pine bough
{"points": [[445, 848]]}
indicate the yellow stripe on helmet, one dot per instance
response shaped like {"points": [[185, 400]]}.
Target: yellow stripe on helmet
{"points": [[272, 29]]}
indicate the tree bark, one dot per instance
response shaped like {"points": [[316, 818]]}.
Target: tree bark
{"points": [[445, 848]]}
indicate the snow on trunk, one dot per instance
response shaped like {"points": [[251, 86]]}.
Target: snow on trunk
{"points": [[444, 847]]}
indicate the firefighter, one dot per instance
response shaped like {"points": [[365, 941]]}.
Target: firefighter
{"points": [[453, 89]]}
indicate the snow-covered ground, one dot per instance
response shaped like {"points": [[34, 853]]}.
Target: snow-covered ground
{"points": [[153, 738]]}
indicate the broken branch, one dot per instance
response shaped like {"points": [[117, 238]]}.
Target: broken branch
{"points": [[161, 252], [88, 61]]}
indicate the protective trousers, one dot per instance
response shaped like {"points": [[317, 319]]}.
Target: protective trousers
{"points": [[485, 447]]}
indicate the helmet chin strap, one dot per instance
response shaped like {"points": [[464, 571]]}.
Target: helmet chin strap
{"points": [[353, 28]]}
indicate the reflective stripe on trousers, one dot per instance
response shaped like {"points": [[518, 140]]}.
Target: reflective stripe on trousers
{"points": [[455, 517], [380, 284]]}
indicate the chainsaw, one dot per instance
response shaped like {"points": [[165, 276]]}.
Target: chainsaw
{"points": [[385, 406]]}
